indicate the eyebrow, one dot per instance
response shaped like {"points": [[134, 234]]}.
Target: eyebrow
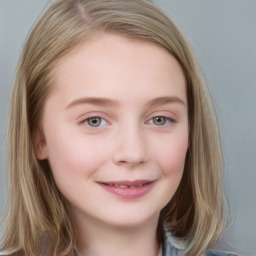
{"points": [[165, 100], [109, 102], [93, 101]]}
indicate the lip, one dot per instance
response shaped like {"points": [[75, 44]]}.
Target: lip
{"points": [[128, 189]]}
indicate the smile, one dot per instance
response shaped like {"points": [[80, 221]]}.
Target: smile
{"points": [[128, 189], [124, 186]]}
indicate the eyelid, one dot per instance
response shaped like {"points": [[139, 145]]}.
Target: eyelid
{"points": [[168, 121], [166, 114], [84, 116]]}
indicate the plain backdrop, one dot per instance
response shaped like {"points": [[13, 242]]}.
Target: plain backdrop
{"points": [[223, 34]]}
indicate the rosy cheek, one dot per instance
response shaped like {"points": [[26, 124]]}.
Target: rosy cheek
{"points": [[74, 158], [172, 157]]}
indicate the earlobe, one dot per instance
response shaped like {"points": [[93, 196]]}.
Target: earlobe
{"points": [[40, 145]]}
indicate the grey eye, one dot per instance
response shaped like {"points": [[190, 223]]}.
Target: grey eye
{"points": [[95, 121], [160, 120]]}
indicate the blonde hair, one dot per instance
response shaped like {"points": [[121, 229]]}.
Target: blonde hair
{"points": [[195, 213]]}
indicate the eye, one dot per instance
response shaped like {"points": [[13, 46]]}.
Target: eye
{"points": [[160, 120], [95, 121]]}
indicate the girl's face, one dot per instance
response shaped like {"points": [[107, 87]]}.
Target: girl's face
{"points": [[115, 130]]}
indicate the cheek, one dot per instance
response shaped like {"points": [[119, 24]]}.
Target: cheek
{"points": [[72, 158], [171, 156]]}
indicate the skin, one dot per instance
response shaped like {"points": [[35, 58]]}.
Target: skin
{"points": [[129, 143]]}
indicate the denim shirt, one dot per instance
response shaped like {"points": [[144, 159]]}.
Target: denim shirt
{"points": [[175, 248]]}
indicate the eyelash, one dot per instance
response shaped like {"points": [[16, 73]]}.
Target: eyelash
{"points": [[166, 121]]}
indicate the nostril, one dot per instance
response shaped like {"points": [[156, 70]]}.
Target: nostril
{"points": [[122, 162], [130, 163]]}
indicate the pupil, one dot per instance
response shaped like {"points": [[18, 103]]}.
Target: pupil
{"points": [[95, 121], [159, 120]]}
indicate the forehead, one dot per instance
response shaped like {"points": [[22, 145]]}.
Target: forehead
{"points": [[110, 61]]}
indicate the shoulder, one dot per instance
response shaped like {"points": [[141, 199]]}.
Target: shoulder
{"points": [[176, 247], [219, 253]]}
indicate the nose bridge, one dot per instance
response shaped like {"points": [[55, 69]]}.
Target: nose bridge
{"points": [[131, 145]]}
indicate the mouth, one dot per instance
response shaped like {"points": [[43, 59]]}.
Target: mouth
{"points": [[128, 189], [128, 184], [123, 186]]}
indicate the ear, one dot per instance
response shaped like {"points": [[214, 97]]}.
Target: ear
{"points": [[40, 145]]}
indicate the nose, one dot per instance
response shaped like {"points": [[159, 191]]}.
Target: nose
{"points": [[131, 147]]}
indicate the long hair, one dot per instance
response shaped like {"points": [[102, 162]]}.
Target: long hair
{"points": [[195, 213]]}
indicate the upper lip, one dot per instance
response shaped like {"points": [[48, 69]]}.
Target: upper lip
{"points": [[127, 182]]}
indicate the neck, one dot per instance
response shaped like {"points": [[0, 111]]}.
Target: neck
{"points": [[104, 240]]}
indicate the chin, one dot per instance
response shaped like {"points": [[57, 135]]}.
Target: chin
{"points": [[133, 220]]}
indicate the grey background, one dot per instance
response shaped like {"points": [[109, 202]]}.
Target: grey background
{"points": [[223, 34]]}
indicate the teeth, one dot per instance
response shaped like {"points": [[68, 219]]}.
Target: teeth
{"points": [[124, 186]]}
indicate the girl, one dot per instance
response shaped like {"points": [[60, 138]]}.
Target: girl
{"points": [[113, 145]]}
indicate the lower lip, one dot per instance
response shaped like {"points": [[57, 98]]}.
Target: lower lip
{"points": [[129, 193]]}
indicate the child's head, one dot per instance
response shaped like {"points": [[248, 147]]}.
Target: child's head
{"points": [[73, 29]]}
